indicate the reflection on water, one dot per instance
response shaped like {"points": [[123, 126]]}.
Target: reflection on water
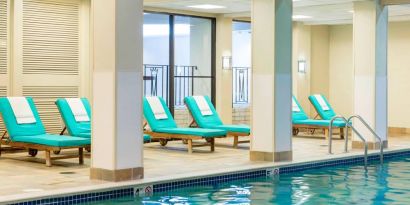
{"points": [[380, 184]]}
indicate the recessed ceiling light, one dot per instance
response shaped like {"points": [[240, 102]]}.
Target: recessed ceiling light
{"points": [[301, 17], [206, 6]]}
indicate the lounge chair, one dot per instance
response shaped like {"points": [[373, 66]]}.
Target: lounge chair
{"points": [[25, 130], [205, 116], [76, 114], [322, 107], [163, 126], [301, 120]]}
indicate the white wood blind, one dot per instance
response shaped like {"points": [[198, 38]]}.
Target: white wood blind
{"points": [[3, 93], [44, 98], [3, 36], [51, 30]]}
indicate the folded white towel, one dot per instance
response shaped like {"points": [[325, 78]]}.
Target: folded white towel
{"points": [[203, 105], [78, 109], [156, 107], [295, 107], [322, 102], [22, 110]]}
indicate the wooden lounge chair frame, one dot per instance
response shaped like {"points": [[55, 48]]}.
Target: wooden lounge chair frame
{"points": [[34, 148], [165, 137], [235, 135], [312, 128]]}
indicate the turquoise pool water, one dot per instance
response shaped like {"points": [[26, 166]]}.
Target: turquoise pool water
{"points": [[380, 184]]}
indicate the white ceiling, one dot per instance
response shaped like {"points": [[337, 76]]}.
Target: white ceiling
{"points": [[321, 11]]}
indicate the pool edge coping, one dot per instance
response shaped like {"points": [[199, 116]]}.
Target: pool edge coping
{"points": [[274, 167]]}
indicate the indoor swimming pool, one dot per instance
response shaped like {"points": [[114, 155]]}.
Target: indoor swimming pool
{"points": [[352, 184]]}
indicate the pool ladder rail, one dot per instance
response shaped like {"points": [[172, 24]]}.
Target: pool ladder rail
{"points": [[349, 124]]}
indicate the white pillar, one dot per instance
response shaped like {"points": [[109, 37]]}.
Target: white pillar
{"points": [[370, 24], [223, 77], [117, 142], [272, 80]]}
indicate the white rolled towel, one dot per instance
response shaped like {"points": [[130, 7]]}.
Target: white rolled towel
{"points": [[157, 108], [203, 105], [22, 110], [322, 102], [78, 109]]}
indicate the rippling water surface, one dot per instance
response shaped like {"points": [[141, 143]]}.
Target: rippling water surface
{"points": [[380, 184]]}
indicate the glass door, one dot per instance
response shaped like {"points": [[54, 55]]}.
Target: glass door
{"points": [[241, 63], [178, 57], [193, 52], [156, 55]]}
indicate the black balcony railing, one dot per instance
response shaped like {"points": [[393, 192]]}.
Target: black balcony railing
{"points": [[241, 85], [156, 82]]}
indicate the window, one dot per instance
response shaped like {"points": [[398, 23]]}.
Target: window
{"points": [[241, 62], [178, 57]]}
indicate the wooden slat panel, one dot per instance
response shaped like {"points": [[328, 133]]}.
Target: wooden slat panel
{"points": [[3, 36], [44, 98], [3, 93], [51, 37]]}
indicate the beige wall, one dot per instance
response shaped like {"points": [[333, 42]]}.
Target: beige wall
{"points": [[398, 74], [341, 69], [319, 76], [301, 51]]}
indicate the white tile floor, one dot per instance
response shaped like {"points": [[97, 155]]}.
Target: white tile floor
{"points": [[22, 175]]}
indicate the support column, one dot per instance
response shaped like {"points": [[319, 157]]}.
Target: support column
{"points": [[223, 77], [272, 80], [117, 140], [370, 24]]}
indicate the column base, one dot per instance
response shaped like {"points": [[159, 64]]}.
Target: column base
{"points": [[372, 145], [117, 175], [270, 156]]}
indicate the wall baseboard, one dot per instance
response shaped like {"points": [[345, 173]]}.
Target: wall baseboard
{"points": [[399, 130]]}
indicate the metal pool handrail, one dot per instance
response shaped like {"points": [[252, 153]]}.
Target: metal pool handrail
{"points": [[370, 129], [331, 132]]}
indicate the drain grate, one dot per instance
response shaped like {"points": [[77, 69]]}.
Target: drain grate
{"points": [[67, 172]]}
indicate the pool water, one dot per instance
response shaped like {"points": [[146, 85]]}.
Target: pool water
{"points": [[380, 184]]}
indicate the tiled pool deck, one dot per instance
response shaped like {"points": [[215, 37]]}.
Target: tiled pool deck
{"points": [[22, 178]]}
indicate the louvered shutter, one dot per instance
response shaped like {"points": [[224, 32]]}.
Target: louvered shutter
{"points": [[3, 53], [3, 36], [51, 37], [47, 53], [3, 93], [44, 98]]}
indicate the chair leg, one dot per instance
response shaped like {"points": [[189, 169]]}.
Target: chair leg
{"points": [[327, 134], [212, 145], [48, 158], [235, 142], [342, 133], [190, 146], [81, 155]]}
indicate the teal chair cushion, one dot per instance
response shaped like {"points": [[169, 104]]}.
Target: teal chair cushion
{"points": [[84, 135], [235, 128], [14, 129], [155, 124], [147, 138], [324, 123], [324, 114], [298, 115], [74, 128], [204, 121], [201, 132], [53, 140], [212, 121]]}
